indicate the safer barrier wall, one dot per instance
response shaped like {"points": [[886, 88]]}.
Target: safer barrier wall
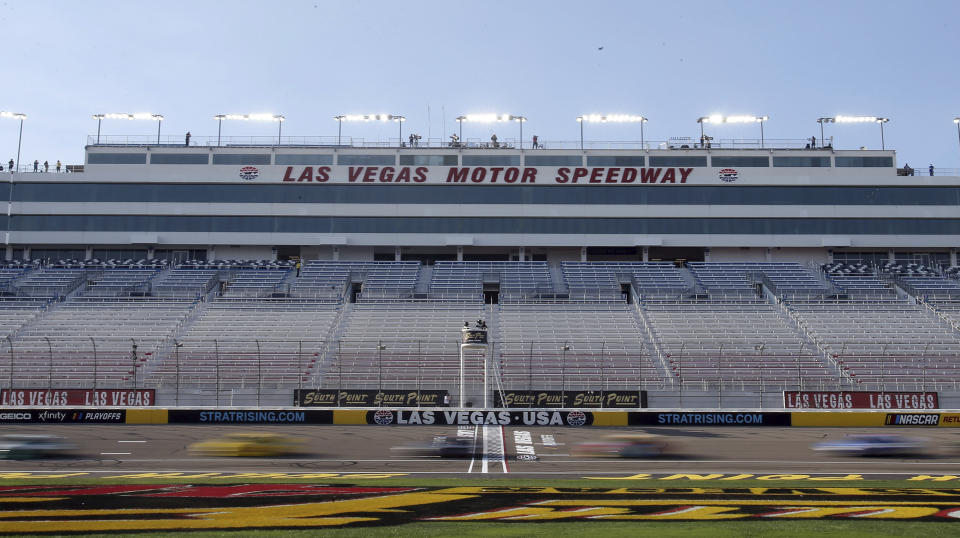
{"points": [[492, 417]]}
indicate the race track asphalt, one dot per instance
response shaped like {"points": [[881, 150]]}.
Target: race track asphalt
{"points": [[524, 451]]}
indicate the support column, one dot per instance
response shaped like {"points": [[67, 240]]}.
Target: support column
{"points": [[523, 254], [26, 253], [150, 252], [9, 254], [891, 255], [397, 254], [953, 257], [211, 252], [459, 253], [88, 252], [336, 253], [583, 254], [830, 256], [768, 254], [706, 254], [646, 254]]}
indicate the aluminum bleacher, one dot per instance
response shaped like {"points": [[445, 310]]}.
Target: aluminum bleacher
{"points": [[573, 346], [112, 341], [49, 282], [119, 282], [886, 343], [741, 341], [255, 282], [517, 281], [240, 343], [398, 344], [727, 280], [601, 281], [187, 283]]}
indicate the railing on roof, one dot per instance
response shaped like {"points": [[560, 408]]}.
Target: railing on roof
{"points": [[437, 143]]}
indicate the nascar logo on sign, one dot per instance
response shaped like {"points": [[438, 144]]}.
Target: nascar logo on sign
{"points": [[729, 175], [249, 172]]}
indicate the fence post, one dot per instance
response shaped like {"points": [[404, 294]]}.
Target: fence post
{"points": [[299, 367], [50, 368], [419, 361], [133, 358], [10, 342], [216, 351], [176, 351], [259, 372], [94, 342], [339, 371], [719, 379]]}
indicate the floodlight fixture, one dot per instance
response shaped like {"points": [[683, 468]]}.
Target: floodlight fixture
{"points": [[611, 118], [742, 118], [856, 119], [16, 116], [279, 118], [367, 118], [127, 116], [957, 122], [492, 118]]}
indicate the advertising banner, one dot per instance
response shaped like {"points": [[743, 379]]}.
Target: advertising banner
{"points": [[248, 416], [62, 416], [616, 399], [79, 397], [845, 399], [488, 417], [708, 418], [369, 398]]}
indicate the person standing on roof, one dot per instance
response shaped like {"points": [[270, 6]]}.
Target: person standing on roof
{"points": [[46, 166], [931, 169], [298, 268], [36, 164], [10, 166], [535, 142], [493, 140], [58, 166], [187, 143]]}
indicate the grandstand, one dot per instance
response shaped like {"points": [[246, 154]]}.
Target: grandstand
{"points": [[687, 272]]}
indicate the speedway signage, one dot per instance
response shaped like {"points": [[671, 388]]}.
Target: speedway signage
{"points": [[369, 398], [626, 399], [843, 399], [486, 175], [78, 397]]}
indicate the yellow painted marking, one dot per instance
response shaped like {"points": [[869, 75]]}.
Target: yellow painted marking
{"points": [[827, 419], [146, 416], [349, 417], [34, 475], [941, 478], [882, 512], [295, 515], [693, 512], [610, 418], [639, 476]]}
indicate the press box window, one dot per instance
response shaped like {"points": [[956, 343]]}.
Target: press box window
{"points": [[366, 160], [491, 160], [428, 160], [864, 162], [319, 159], [241, 158], [678, 161], [179, 158], [117, 158], [616, 160], [553, 160], [742, 162], [801, 162]]}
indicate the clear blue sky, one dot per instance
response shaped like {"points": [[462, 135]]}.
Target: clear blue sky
{"points": [[670, 61]]}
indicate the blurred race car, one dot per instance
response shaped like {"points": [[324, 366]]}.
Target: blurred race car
{"points": [[444, 446], [250, 445], [18, 446], [623, 445], [873, 445]]}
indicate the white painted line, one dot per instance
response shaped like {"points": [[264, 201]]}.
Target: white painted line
{"points": [[485, 461], [114, 453], [131, 441], [503, 452], [473, 456]]}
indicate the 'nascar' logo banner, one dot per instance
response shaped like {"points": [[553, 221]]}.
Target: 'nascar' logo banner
{"points": [[369, 398], [845, 399], [622, 399], [912, 419], [78, 397]]}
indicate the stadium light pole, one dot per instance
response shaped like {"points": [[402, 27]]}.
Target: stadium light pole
{"points": [[957, 122], [859, 119], [492, 118], [368, 118], [279, 118], [563, 374], [460, 120], [821, 121], [176, 351], [126, 116], [133, 358], [20, 116], [380, 348], [400, 120], [612, 118], [716, 118]]}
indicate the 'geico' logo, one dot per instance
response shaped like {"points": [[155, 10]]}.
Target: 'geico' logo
{"points": [[16, 416], [912, 419]]}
